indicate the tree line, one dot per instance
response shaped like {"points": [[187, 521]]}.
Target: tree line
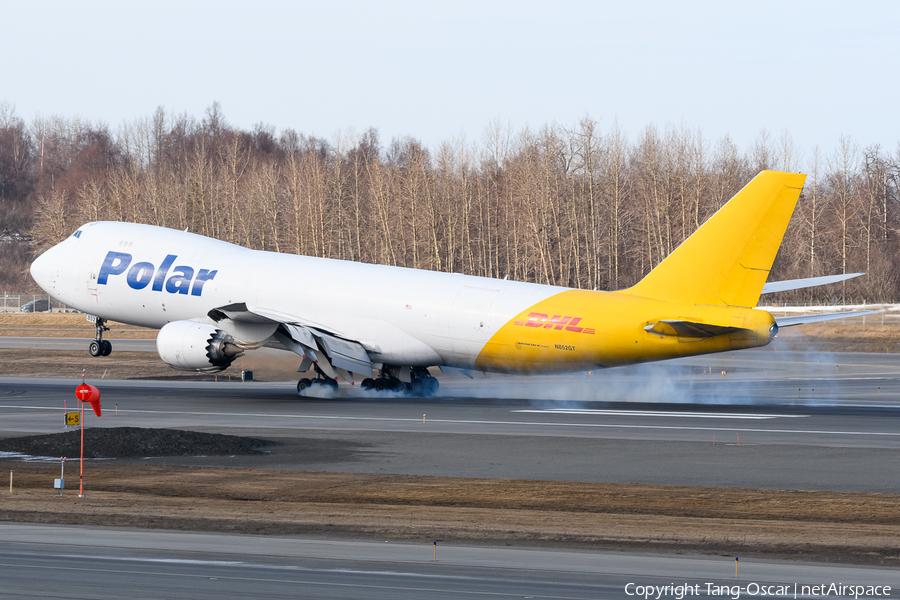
{"points": [[587, 205]]}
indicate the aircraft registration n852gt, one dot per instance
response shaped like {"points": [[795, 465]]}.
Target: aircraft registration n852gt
{"points": [[213, 301]]}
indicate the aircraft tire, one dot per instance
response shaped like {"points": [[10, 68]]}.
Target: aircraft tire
{"points": [[367, 384], [106, 347], [95, 349], [379, 385], [431, 386], [418, 387], [302, 385]]}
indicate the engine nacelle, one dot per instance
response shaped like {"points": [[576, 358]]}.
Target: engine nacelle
{"points": [[192, 346]]}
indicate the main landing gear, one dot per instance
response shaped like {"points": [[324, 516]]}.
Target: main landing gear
{"points": [[320, 382], [421, 383], [100, 347]]}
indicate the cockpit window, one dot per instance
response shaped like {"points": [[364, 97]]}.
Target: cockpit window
{"points": [[77, 234]]}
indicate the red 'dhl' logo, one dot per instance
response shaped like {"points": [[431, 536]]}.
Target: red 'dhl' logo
{"points": [[556, 322]]}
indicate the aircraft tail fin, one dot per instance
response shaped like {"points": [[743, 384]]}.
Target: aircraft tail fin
{"points": [[727, 261]]}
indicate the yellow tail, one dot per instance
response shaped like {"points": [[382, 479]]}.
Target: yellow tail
{"points": [[727, 261]]}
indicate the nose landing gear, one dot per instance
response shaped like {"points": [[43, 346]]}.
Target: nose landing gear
{"points": [[100, 347]]}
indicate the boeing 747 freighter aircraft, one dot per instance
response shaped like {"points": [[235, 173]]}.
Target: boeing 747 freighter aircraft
{"points": [[213, 301]]}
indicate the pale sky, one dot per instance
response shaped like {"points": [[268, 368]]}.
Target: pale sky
{"points": [[441, 70]]}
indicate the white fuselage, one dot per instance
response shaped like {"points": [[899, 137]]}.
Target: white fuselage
{"points": [[126, 272]]}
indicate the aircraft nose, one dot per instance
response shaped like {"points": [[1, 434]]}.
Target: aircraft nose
{"points": [[42, 269]]}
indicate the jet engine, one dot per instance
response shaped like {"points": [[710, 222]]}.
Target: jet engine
{"points": [[192, 346]]}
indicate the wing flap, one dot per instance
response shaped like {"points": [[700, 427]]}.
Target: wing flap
{"points": [[347, 355], [323, 348], [310, 352]]}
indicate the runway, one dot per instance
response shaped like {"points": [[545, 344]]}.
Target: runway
{"points": [[748, 428], [773, 420], [75, 562]]}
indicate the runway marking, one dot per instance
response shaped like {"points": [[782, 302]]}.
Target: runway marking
{"points": [[250, 565], [653, 413], [482, 422], [291, 581]]}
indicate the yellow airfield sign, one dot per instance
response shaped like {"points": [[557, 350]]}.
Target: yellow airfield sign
{"points": [[72, 418]]}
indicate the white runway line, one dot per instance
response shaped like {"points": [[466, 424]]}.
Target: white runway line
{"points": [[652, 413], [174, 414]]}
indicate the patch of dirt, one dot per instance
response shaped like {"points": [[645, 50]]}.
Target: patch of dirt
{"points": [[840, 527], [22, 362], [129, 442]]}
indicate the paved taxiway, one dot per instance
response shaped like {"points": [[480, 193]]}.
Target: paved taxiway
{"points": [[613, 426], [58, 343], [69, 562]]}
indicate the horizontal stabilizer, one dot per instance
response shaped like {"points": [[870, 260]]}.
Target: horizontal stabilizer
{"points": [[804, 319], [797, 284], [688, 329]]}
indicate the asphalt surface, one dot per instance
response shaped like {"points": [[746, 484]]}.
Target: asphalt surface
{"points": [[55, 343], [83, 562], [774, 420]]}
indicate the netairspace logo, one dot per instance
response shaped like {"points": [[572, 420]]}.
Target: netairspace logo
{"points": [[734, 592]]}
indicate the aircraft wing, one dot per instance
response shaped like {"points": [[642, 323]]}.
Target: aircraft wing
{"points": [[804, 319], [796, 284], [333, 354]]}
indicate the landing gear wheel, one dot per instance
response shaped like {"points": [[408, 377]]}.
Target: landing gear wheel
{"points": [[303, 384], [100, 347], [325, 382], [431, 386], [367, 384], [417, 387]]}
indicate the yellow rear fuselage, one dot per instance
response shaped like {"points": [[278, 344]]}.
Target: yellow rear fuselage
{"points": [[583, 330]]}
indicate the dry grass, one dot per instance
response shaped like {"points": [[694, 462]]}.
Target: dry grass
{"points": [[837, 336], [71, 363], [846, 527], [73, 325]]}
